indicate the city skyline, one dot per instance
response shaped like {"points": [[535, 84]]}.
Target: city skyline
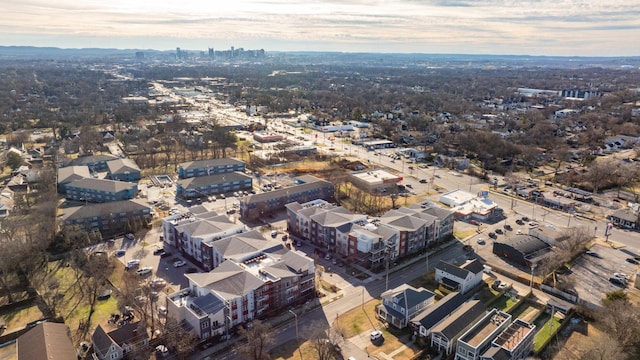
{"points": [[544, 27]]}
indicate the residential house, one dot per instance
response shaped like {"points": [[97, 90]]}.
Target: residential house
{"points": [[209, 167], [113, 217], [68, 174], [427, 319], [46, 341], [247, 286], [459, 278], [100, 190], [514, 343], [6, 202], [203, 186], [400, 305], [118, 343], [123, 170], [479, 337], [307, 188], [445, 334]]}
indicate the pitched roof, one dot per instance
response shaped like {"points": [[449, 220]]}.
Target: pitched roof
{"points": [[199, 164], [462, 318], [122, 165], [228, 280], [103, 209], [440, 310], [402, 221], [113, 186], [46, 341], [244, 244], [335, 217], [101, 341], [474, 266], [127, 334], [452, 269], [86, 160], [407, 296], [70, 173]]}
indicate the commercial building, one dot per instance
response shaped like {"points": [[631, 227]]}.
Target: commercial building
{"points": [[373, 181], [264, 137], [209, 167], [520, 249]]}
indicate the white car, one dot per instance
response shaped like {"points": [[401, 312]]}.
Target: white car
{"points": [[133, 263], [144, 271], [179, 263], [375, 335]]}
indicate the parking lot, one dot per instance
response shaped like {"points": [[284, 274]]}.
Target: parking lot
{"points": [[590, 275]]}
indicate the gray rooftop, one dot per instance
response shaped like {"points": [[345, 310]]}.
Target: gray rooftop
{"points": [[199, 181], [120, 166], [112, 186]]}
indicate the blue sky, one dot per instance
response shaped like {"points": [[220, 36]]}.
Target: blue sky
{"points": [[535, 27]]}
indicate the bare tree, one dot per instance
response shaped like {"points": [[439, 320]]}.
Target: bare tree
{"points": [[259, 338]]}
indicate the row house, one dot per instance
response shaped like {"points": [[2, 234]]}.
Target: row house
{"points": [[446, 333], [100, 190], [203, 186], [247, 286], [209, 167], [475, 341]]}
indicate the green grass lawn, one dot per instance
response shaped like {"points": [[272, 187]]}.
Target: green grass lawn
{"points": [[19, 318], [503, 303], [546, 327]]}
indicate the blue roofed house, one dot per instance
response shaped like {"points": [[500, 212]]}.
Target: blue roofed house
{"points": [[459, 278], [123, 170], [400, 305]]}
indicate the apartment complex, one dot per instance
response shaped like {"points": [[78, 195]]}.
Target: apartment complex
{"points": [[100, 190], [254, 281], [110, 218], [209, 167], [368, 241], [203, 186], [306, 188], [192, 233]]}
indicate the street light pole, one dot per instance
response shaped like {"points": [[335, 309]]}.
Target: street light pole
{"points": [[297, 338]]}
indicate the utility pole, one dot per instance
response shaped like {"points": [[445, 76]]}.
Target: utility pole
{"points": [[297, 338]]}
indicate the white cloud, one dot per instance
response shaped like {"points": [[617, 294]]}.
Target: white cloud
{"points": [[562, 27]]}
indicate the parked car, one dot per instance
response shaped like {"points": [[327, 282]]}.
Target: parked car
{"points": [[158, 251], [129, 236], [376, 336], [133, 263], [119, 253], [327, 257], [423, 181], [499, 231], [144, 271], [593, 253], [481, 241], [525, 219], [474, 222], [179, 263], [274, 233], [617, 281], [493, 235]]}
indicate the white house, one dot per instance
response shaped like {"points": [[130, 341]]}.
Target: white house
{"points": [[463, 278]]}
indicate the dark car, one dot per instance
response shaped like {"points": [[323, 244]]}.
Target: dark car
{"points": [[633, 261], [519, 222], [423, 181], [617, 281], [158, 251], [594, 254], [493, 235], [499, 231], [507, 227], [165, 254], [525, 219]]}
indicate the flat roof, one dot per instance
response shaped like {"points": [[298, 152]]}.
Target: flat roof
{"points": [[513, 334], [376, 176], [485, 327]]}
